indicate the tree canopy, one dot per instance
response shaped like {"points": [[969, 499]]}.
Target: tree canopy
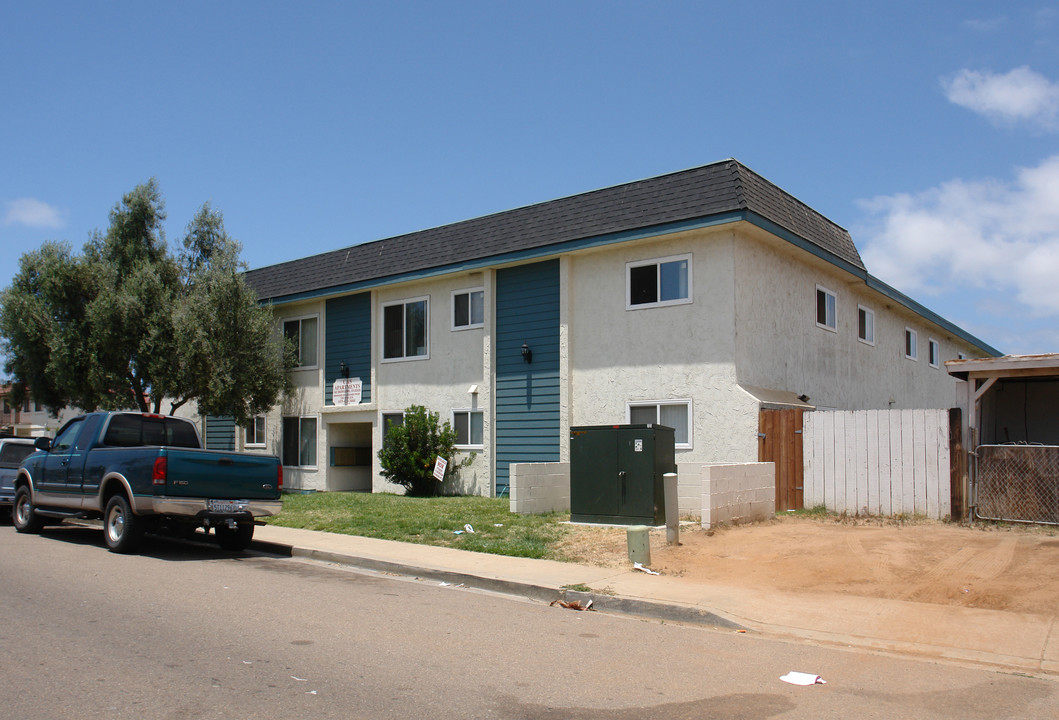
{"points": [[127, 324]]}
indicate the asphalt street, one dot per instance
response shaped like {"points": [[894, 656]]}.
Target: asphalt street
{"points": [[189, 631]]}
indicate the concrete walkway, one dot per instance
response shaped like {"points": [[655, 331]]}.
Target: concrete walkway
{"points": [[1011, 641]]}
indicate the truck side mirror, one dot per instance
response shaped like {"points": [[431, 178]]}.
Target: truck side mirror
{"points": [[42, 443]]}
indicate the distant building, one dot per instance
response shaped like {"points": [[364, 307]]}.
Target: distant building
{"points": [[696, 299], [27, 419]]}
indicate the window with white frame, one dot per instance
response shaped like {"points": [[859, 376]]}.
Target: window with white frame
{"points": [[671, 413], [911, 352], [299, 441], [255, 432], [468, 309], [468, 425], [933, 352], [390, 420], [865, 325], [302, 333], [826, 308], [404, 329], [654, 283]]}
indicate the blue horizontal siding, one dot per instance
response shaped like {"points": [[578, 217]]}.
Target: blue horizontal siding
{"points": [[527, 394], [348, 338], [220, 432]]}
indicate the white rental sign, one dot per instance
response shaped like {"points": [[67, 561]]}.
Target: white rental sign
{"points": [[439, 468], [346, 391]]}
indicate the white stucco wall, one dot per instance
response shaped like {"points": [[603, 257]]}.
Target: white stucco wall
{"points": [[780, 347], [305, 401], [670, 353], [441, 381]]}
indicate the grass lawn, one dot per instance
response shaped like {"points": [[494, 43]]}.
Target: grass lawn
{"points": [[428, 521]]}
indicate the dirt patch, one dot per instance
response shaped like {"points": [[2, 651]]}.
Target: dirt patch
{"points": [[982, 566]]}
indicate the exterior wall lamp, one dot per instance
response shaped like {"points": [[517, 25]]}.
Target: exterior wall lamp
{"points": [[343, 369], [527, 354]]}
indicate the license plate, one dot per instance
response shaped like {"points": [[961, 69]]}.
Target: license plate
{"points": [[226, 506]]}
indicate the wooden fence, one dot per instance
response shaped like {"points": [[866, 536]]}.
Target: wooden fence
{"points": [[878, 462]]}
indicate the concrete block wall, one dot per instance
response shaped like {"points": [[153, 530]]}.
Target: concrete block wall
{"points": [[689, 489], [539, 487], [735, 493], [715, 493]]}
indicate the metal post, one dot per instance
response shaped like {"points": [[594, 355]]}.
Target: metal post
{"points": [[669, 481]]}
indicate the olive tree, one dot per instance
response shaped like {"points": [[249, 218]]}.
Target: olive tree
{"points": [[126, 324]]}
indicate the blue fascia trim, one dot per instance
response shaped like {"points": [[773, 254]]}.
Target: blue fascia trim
{"points": [[899, 297], [765, 224], [516, 256]]}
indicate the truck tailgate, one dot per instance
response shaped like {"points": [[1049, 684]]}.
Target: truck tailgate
{"points": [[221, 475]]}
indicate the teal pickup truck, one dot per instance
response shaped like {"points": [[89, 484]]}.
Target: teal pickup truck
{"points": [[144, 473]]}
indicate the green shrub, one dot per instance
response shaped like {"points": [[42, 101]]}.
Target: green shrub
{"points": [[410, 450]]}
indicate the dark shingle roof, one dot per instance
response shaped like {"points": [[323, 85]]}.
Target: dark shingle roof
{"points": [[698, 193]]}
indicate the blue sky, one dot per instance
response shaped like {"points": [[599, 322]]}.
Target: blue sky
{"points": [[929, 130]]}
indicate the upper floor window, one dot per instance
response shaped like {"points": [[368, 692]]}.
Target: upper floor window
{"points": [[303, 333], [652, 283], [865, 325], [671, 413], [255, 432], [404, 329], [468, 309], [911, 352], [826, 312], [933, 352]]}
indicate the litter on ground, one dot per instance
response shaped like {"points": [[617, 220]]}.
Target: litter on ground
{"points": [[573, 604], [800, 678]]}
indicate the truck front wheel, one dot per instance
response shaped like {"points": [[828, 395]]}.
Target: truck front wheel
{"points": [[23, 516], [238, 539], [121, 529]]}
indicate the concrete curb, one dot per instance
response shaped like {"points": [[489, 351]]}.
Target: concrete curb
{"points": [[667, 612]]}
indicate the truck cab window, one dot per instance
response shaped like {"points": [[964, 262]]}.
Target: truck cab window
{"points": [[124, 431], [65, 439]]}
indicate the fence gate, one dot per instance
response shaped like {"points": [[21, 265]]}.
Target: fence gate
{"points": [[1017, 483], [780, 442]]}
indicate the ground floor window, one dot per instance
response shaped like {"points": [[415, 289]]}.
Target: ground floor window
{"points": [[299, 441], [255, 432], [671, 413], [468, 425], [390, 420]]}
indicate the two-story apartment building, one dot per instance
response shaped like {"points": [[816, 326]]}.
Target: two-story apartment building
{"points": [[693, 299]]}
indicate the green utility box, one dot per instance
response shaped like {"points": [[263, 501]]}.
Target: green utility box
{"points": [[616, 473]]}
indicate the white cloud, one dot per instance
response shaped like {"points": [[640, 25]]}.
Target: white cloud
{"points": [[997, 237], [1021, 94], [33, 213]]}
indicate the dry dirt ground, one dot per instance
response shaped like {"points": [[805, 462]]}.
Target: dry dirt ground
{"points": [[1014, 568]]}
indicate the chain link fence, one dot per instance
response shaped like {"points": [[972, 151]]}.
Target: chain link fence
{"points": [[1017, 483]]}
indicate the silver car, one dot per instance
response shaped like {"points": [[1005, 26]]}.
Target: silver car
{"points": [[12, 452]]}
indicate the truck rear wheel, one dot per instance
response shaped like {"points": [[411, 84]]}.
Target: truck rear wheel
{"points": [[238, 539], [121, 529], [23, 515]]}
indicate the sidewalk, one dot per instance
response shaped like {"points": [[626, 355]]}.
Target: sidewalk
{"points": [[1012, 641]]}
